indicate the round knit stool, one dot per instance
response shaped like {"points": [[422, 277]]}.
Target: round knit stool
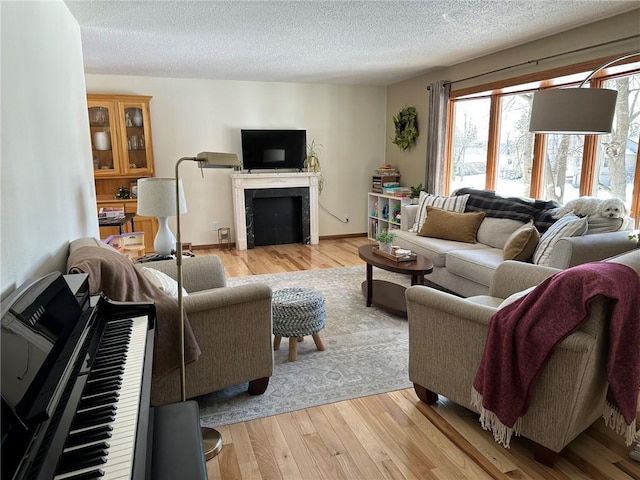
{"points": [[297, 312]]}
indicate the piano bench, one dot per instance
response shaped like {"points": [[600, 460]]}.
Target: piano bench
{"points": [[177, 442]]}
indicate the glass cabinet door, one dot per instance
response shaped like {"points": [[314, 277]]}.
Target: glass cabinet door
{"points": [[136, 143], [103, 126]]}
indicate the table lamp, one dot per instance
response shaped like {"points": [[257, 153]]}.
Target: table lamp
{"points": [[156, 198], [211, 438], [583, 111]]}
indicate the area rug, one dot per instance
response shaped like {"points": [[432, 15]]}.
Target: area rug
{"points": [[366, 352]]}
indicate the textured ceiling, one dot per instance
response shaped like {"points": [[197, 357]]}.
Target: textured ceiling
{"points": [[344, 42]]}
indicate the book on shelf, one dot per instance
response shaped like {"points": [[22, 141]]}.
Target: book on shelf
{"points": [[111, 213]]}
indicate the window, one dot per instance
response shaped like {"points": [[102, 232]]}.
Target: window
{"points": [[554, 166], [469, 153], [515, 151], [617, 152], [561, 167]]}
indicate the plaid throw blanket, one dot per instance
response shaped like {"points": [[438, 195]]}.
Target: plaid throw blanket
{"points": [[523, 334], [515, 208]]}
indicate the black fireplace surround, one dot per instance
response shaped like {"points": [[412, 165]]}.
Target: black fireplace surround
{"points": [[277, 216]]}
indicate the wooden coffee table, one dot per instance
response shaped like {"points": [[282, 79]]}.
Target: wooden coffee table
{"points": [[388, 295]]}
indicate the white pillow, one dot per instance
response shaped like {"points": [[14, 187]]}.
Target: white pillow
{"points": [[455, 203], [568, 226], [515, 296], [163, 281]]}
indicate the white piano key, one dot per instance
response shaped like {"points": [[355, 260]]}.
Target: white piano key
{"points": [[123, 436]]}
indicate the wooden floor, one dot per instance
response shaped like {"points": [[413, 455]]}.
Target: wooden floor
{"points": [[393, 435]]}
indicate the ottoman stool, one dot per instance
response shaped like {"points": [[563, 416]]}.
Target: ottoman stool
{"points": [[297, 312]]}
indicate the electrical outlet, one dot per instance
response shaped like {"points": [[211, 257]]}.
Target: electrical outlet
{"points": [[215, 226]]}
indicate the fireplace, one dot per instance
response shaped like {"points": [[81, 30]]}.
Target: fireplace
{"points": [[275, 208], [276, 216]]}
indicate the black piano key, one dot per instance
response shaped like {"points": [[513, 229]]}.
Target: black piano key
{"points": [[85, 422], [75, 439], [84, 457], [87, 414], [105, 371], [112, 362], [97, 400], [113, 349], [102, 377], [93, 474]]}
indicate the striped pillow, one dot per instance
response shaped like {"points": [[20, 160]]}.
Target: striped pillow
{"points": [[568, 226], [452, 204]]}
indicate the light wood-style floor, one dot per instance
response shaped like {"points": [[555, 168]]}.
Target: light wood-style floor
{"points": [[393, 435]]}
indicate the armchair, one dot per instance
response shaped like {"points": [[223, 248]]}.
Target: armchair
{"points": [[232, 326], [446, 342]]}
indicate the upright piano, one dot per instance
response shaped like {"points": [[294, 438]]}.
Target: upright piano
{"points": [[76, 383]]}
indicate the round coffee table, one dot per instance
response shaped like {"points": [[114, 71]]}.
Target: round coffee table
{"points": [[389, 295]]}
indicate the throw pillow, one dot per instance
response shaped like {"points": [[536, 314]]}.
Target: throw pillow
{"points": [[163, 281], [515, 296], [568, 226], [454, 204], [522, 243], [461, 227]]}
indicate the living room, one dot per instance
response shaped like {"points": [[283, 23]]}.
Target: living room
{"points": [[47, 177]]}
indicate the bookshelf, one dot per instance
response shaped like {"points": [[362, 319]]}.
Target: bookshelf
{"points": [[382, 210]]}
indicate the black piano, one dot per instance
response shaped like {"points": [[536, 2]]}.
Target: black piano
{"points": [[76, 383]]}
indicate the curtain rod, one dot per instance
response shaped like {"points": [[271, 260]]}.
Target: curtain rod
{"points": [[538, 60]]}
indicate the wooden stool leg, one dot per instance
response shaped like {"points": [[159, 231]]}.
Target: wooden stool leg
{"points": [[293, 349], [318, 340], [276, 342]]}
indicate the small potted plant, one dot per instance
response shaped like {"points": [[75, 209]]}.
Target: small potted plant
{"points": [[385, 240], [312, 162]]}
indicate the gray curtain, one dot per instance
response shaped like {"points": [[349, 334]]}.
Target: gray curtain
{"points": [[436, 136]]}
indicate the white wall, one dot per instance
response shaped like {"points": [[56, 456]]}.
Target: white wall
{"points": [[189, 116], [414, 91], [47, 193]]}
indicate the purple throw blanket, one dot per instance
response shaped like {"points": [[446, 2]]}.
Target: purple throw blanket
{"points": [[523, 334]]}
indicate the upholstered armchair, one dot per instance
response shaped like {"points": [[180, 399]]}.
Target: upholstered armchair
{"points": [[232, 326], [446, 342]]}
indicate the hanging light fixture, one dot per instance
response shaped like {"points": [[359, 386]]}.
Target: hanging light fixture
{"points": [[581, 111]]}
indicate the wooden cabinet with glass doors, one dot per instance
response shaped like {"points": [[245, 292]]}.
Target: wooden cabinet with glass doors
{"points": [[122, 152]]}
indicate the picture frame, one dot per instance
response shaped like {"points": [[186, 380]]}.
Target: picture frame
{"points": [[133, 189]]}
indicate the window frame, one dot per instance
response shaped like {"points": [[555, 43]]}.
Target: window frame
{"points": [[531, 83]]}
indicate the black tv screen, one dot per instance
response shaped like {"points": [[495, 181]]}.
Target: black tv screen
{"points": [[272, 149]]}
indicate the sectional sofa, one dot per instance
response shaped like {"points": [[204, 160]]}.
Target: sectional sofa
{"points": [[467, 268]]}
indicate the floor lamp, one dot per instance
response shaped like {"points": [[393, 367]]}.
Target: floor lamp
{"points": [[155, 199], [211, 438], [586, 111]]}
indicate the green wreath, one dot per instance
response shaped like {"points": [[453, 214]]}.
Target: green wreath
{"points": [[406, 128]]}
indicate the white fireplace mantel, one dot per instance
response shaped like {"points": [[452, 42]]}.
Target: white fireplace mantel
{"points": [[254, 181]]}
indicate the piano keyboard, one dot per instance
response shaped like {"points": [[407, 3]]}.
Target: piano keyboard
{"points": [[101, 442]]}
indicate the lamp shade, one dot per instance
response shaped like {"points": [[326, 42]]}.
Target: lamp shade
{"points": [[157, 197], [586, 111], [218, 160]]}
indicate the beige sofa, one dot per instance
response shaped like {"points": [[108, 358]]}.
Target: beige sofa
{"points": [[232, 326], [446, 342], [467, 268]]}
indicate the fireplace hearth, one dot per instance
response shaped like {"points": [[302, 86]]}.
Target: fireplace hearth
{"points": [[277, 216]]}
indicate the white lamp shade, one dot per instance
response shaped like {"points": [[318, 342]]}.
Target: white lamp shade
{"points": [[586, 111], [157, 197]]}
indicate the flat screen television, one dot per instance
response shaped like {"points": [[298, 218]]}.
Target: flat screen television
{"points": [[273, 149]]}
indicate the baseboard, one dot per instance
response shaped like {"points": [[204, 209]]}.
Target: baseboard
{"points": [[347, 235], [233, 245]]}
